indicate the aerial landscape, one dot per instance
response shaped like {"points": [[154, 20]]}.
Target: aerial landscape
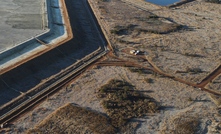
{"points": [[110, 67]]}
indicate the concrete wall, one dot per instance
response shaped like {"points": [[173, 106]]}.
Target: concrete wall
{"points": [[18, 50], [56, 31]]}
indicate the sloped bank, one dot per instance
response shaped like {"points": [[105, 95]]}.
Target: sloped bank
{"points": [[57, 32], [52, 68]]}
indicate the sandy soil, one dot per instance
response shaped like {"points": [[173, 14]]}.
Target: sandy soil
{"points": [[202, 38], [196, 46]]}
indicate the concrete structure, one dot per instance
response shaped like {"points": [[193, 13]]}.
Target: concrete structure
{"points": [[20, 20], [32, 26], [28, 78]]}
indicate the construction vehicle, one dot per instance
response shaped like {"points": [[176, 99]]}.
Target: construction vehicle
{"points": [[134, 52]]}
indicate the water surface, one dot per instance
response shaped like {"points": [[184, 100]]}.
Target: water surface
{"points": [[163, 2]]}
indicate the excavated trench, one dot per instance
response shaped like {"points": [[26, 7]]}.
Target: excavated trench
{"points": [[86, 40]]}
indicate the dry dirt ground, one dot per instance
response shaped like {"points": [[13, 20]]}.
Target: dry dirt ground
{"points": [[195, 46], [184, 109], [179, 102]]}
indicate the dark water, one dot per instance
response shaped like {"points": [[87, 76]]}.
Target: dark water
{"points": [[163, 2]]}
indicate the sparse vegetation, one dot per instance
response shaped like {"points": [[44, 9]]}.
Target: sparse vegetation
{"points": [[190, 99], [153, 24], [149, 80], [153, 16], [139, 70], [122, 102], [216, 99], [193, 70], [187, 126], [122, 30], [214, 1], [193, 55]]}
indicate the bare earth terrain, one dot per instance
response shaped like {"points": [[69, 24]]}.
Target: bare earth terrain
{"points": [[179, 102], [183, 42], [195, 46]]}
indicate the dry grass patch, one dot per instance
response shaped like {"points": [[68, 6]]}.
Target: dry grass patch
{"points": [[122, 102], [187, 126], [183, 124], [74, 119], [216, 99], [140, 70]]}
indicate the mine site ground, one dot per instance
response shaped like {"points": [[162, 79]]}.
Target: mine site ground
{"points": [[179, 45]]}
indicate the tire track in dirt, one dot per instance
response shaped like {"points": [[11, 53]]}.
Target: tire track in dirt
{"points": [[201, 85]]}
